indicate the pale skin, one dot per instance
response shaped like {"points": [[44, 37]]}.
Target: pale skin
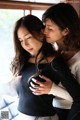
{"points": [[43, 88], [28, 42], [53, 34], [31, 45]]}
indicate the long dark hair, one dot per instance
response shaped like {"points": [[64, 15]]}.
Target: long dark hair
{"points": [[34, 25], [65, 16]]}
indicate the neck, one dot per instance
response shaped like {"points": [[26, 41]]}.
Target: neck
{"points": [[67, 52], [62, 46]]}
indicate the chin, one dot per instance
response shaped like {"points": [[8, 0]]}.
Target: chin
{"points": [[32, 55], [48, 41]]}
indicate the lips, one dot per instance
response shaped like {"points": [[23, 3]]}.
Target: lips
{"points": [[47, 37], [30, 49]]}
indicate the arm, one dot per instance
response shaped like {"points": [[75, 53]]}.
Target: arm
{"points": [[67, 79], [60, 92], [75, 68], [50, 87]]}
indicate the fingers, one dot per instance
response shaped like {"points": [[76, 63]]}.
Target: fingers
{"points": [[42, 87], [38, 82], [35, 91], [35, 86], [32, 89], [44, 77]]}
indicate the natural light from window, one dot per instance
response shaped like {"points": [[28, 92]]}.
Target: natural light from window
{"points": [[8, 17]]}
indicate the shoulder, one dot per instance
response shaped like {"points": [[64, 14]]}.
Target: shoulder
{"points": [[58, 60], [75, 69], [59, 64], [75, 59], [74, 62]]}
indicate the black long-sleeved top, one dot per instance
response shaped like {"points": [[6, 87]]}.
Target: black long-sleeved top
{"points": [[57, 71]]}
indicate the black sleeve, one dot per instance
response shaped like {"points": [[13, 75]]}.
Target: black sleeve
{"points": [[66, 78]]}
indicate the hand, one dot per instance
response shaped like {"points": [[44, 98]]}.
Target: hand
{"points": [[42, 88]]}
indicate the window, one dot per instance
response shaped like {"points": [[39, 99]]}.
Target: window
{"points": [[38, 13], [7, 21], [8, 17]]}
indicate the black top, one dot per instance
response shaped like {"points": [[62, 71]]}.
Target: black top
{"points": [[57, 71]]}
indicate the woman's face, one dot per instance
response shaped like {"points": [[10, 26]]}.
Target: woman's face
{"points": [[53, 32], [28, 42]]}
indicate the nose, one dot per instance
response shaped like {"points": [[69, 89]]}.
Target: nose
{"points": [[45, 31], [26, 42]]}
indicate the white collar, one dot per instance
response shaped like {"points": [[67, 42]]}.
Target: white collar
{"points": [[74, 58]]}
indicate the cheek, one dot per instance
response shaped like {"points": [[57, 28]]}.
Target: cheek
{"points": [[37, 46], [59, 36], [52, 36], [56, 36], [23, 45]]}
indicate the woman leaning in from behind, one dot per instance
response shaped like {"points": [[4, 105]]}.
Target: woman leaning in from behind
{"points": [[62, 25], [34, 55]]}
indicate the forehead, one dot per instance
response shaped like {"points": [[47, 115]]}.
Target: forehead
{"points": [[52, 24], [48, 21], [23, 32]]}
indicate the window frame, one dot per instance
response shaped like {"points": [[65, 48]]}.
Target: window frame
{"points": [[24, 5]]}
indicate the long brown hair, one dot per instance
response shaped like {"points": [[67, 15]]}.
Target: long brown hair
{"points": [[65, 16], [34, 25]]}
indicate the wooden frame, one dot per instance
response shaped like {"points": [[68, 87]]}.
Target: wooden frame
{"points": [[8, 4]]}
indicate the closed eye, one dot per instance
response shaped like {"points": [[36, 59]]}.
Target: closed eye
{"points": [[49, 28], [29, 37], [20, 40]]}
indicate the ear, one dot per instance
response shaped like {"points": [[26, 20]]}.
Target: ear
{"points": [[65, 31]]}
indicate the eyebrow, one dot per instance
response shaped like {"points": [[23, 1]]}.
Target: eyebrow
{"points": [[26, 34], [48, 25]]}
